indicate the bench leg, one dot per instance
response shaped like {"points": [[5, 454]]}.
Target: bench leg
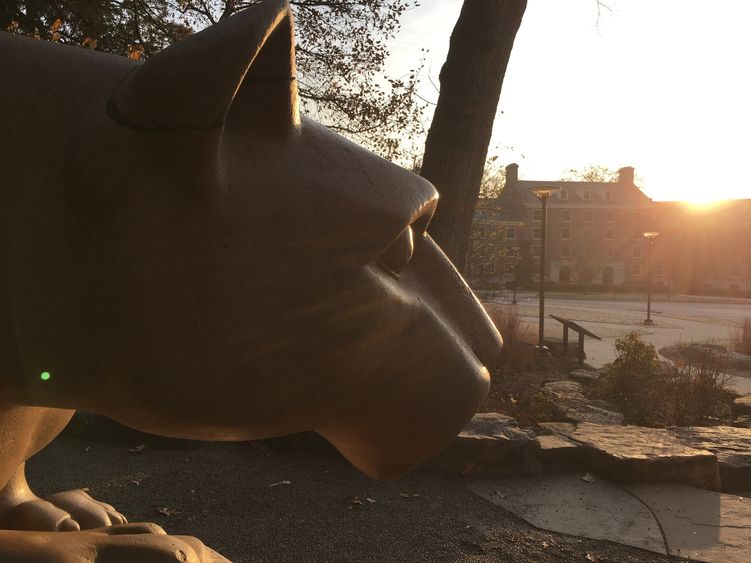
{"points": [[581, 348]]}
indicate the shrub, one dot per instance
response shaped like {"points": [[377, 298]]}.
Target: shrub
{"points": [[692, 392], [698, 389], [518, 351], [740, 338]]}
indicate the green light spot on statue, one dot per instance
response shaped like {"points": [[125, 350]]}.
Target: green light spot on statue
{"points": [[45, 376]]}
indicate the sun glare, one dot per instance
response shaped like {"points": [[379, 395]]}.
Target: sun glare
{"points": [[704, 204]]}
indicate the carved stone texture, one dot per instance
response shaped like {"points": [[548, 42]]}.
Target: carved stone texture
{"points": [[732, 446], [491, 444], [634, 454], [184, 253]]}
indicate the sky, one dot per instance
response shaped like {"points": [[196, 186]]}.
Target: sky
{"points": [[660, 85]]}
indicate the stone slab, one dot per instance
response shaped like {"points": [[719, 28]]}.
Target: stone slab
{"points": [[700, 524], [562, 428], [490, 444], [570, 505], [731, 445], [632, 454], [558, 453], [585, 375], [591, 413]]}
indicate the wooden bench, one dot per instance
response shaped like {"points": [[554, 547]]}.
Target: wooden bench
{"points": [[567, 324]]}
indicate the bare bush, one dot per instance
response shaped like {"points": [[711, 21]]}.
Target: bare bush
{"points": [[740, 338], [518, 350], [690, 392]]}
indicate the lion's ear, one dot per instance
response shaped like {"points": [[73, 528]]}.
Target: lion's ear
{"points": [[246, 60]]}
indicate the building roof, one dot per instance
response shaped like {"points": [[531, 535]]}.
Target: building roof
{"points": [[619, 193], [623, 191]]}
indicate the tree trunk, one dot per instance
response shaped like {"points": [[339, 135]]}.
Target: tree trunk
{"points": [[457, 143]]}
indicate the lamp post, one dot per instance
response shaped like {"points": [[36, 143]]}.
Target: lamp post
{"points": [[516, 250], [650, 236], [543, 193]]}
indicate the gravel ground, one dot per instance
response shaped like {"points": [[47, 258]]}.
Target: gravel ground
{"points": [[255, 503]]}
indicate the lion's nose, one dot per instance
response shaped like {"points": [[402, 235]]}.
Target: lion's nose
{"points": [[460, 305]]}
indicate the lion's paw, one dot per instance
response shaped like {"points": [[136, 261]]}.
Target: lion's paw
{"points": [[85, 511], [21, 509]]}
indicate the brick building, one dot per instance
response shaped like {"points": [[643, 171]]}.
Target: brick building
{"points": [[594, 237]]}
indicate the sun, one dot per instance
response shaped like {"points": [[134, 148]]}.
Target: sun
{"points": [[704, 204]]}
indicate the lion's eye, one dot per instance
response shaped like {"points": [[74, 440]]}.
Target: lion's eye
{"points": [[396, 256]]}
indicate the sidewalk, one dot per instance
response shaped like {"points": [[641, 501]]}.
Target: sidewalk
{"points": [[663, 518]]}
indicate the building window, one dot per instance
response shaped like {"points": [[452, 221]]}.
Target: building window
{"points": [[610, 216], [659, 269], [565, 252], [735, 271], [635, 269], [510, 233], [611, 252], [536, 251], [565, 234], [608, 196], [563, 194], [508, 268], [587, 215], [587, 234], [586, 195], [566, 216], [537, 233], [537, 214], [609, 234], [636, 252]]}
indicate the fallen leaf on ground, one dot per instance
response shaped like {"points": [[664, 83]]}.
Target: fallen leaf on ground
{"points": [[370, 500], [588, 478], [280, 483], [138, 449]]}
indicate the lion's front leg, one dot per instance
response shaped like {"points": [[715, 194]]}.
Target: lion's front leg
{"points": [[21, 509], [141, 542]]}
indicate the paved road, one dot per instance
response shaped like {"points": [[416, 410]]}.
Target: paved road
{"points": [[612, 318]]}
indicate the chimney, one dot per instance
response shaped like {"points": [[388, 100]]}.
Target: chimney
{"points": [[626, 176], [512, 174]]}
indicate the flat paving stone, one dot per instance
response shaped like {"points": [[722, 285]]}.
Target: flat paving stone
{"points": [[568, 504], [558, 453], [699, 524], [731, 445], [633, 454]]}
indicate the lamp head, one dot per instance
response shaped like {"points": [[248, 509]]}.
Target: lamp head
{"points": [[544, 192]]}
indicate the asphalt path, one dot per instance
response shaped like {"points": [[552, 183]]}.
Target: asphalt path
{"points": [[256, 503]]}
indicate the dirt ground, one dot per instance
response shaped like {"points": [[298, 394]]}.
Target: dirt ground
{"points": [[255, 503]]}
